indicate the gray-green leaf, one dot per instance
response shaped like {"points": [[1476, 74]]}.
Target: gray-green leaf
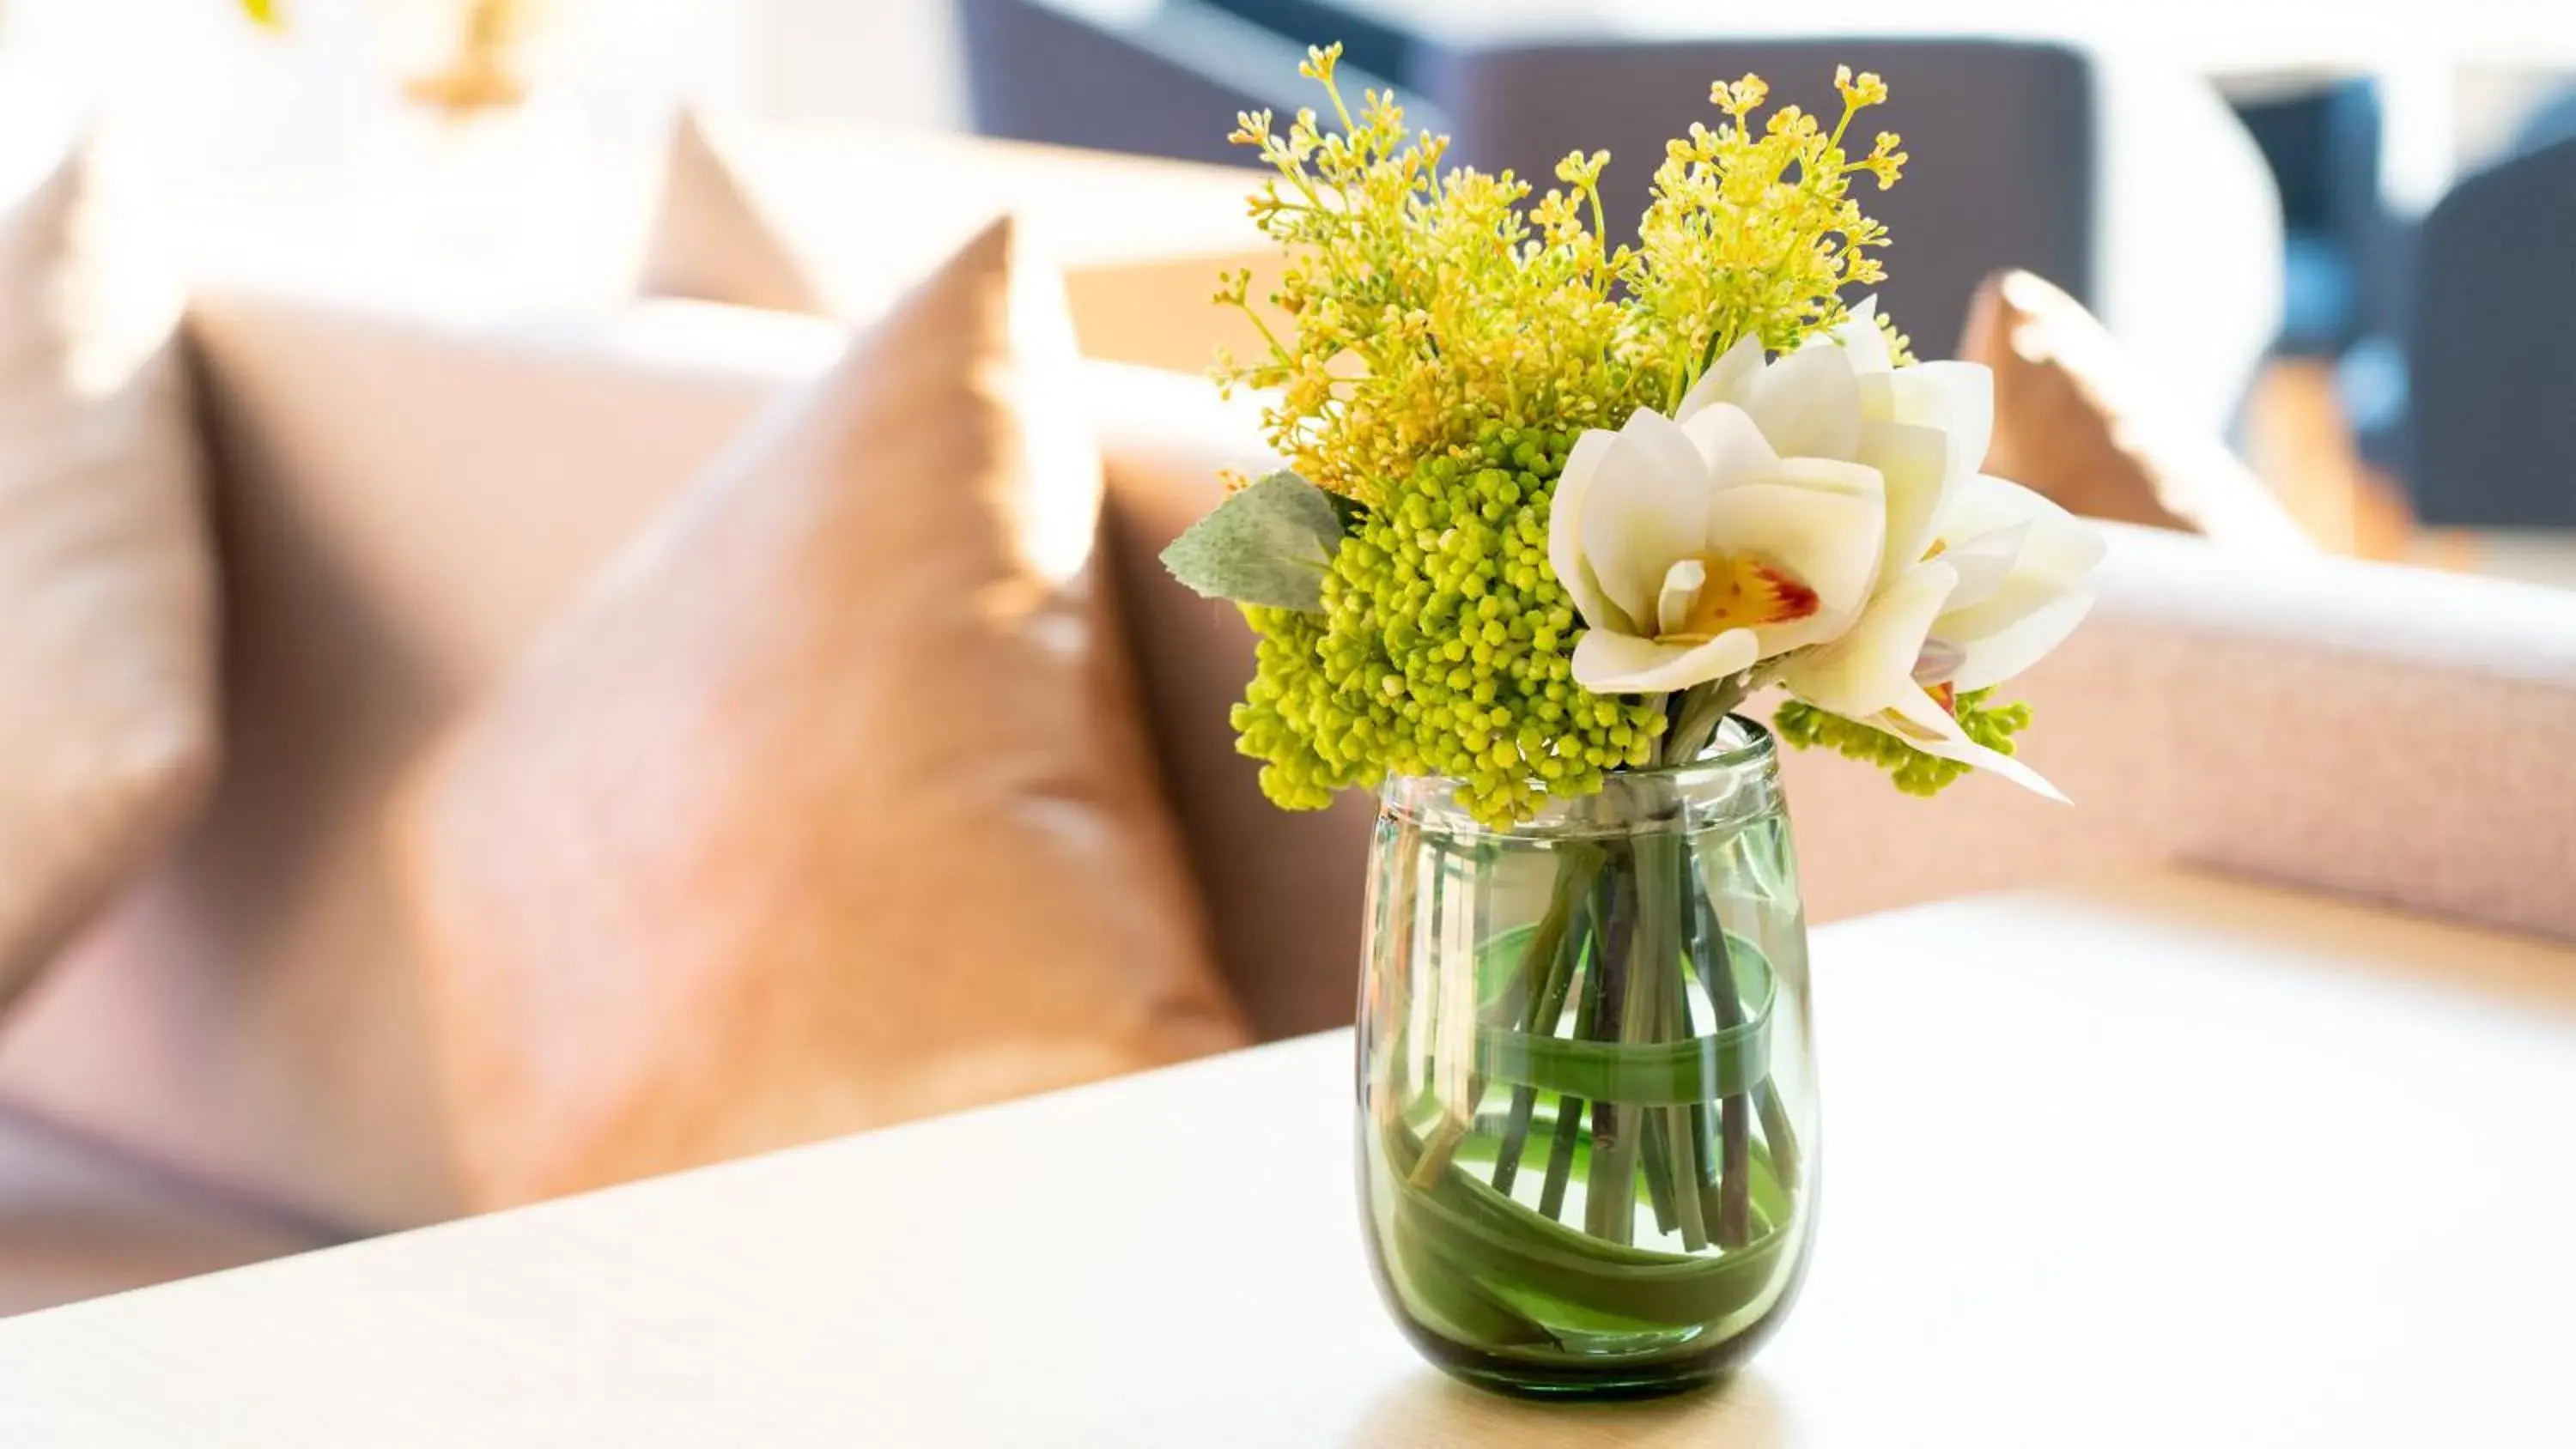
{"points": [[1269, 544]]}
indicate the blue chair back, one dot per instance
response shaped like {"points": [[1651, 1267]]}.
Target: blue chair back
{"points": [[1166, 80], [2491, 381]]}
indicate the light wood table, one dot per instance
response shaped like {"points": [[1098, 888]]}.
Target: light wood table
{"points": [[2161, 1164]]}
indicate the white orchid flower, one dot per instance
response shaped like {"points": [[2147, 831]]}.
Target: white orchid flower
{"points": [[1754, 522], [1695, 552], [1998, 580], [1824, 510], [2004, 583], [1803, 401]]}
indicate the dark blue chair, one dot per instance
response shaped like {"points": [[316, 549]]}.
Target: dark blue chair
{"points": [[1166, 80], [2491, 382]]}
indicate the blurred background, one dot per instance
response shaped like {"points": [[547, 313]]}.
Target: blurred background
{"points": [[2256, 200]]}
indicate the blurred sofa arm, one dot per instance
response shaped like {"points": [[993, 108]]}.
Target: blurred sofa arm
{"points": [[1283, 890], [2391, 732], [2368, 729]]}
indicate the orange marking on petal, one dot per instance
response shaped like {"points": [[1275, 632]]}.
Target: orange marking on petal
{"points": [[1742, 592], [1946, 695]]}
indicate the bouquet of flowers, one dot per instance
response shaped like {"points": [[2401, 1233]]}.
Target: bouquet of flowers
{"points": [[1557, 507], [1554, 510]]}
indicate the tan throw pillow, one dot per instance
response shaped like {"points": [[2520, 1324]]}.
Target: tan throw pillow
{"points": [[107, 635], [839, 222], [2075, 421], [831, 807], [711, 242]]}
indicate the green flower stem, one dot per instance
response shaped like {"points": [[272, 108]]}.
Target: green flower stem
{"points": [[1690, 1162], [1660, 873], [1555, 950], [1699, 712], [1456, 1117], [1731, 1210], [1656, 1153], [1610, 1195], [1570, 1110], [1777, 1134]]}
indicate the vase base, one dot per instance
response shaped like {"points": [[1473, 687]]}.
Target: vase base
{"points": [[1589, 1386], [1604, 1380]]}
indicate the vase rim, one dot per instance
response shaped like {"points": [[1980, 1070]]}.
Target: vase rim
{"points": [[1741, 745], [1759, 746]]}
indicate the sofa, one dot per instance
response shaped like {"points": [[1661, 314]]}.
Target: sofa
{"points": [[233, 1062]]}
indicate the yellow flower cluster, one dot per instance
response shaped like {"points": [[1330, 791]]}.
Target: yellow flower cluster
{"points": [[1752, 228], [1427, 305], [1449, 338]]}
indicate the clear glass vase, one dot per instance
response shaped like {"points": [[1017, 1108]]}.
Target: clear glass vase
{"points": [[1587, 1109]]}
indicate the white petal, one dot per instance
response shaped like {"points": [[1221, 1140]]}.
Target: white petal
{"points": [[1934, 732], [1808, 404], [1682, 585], [2055, 555], [1827, 540], [2010, 650], [1565, 531], [1956, 397], [1728, 442], [1729, 379], [1984, 503], [1827, 475], [1864, 340], [1871, 667], [1984, 562], [1913, 464], [1642, 511], [1608, 663]]}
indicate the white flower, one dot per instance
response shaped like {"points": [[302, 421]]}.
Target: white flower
{"points": [[1695, 553], [1756, 521], [1825, 511], [2000, 580]]}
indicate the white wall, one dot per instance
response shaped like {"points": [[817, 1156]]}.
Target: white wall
{"points": [[213, 94], [891, 62]]}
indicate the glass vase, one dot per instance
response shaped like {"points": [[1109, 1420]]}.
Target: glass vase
{"points": [[1587, 1109]]}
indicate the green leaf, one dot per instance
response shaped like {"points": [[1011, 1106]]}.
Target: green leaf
{"points": [[1534, 1270], [1269, 544]]}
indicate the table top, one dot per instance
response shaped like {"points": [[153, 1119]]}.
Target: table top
{"points": [[2157, 1163]]}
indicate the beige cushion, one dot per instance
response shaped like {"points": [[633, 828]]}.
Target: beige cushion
{"points": [[842, 222], [710, 240], [2076, 420], [830, 809], [107, 626], [404, 504]]}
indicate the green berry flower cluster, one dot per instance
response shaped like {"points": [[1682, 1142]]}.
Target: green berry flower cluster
{"points": [[1803, 726], [1443, 649]]}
